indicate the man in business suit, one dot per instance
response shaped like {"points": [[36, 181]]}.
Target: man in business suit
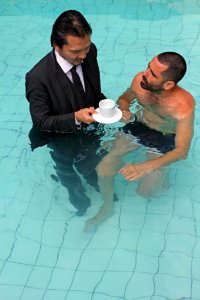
{"points": [[64, 90]]}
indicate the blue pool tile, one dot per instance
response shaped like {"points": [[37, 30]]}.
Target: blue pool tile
{"points": [[14, 273], [95, 259], [177, 224], [8, 240], [60, 279], [176, 264], [103, 296], [10, 292], [165, 205], [159, 297], [128, 239], [29, 293], [25, 251], [113, 284], [39, 277], [130, 221], [152, 243], [181, 243], [133, 204], [54, 294], [74, 295], [195, 268], [195, 289], [155, 222], [197, 248], [125, 263], [86, 281], [185, 210], [47, 256], [145, 263], [68, 258], [196, 208], [140, 285], [99, 241], [172, 287]]}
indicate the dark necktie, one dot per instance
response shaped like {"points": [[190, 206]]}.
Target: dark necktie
{"points": [[77, 82]]}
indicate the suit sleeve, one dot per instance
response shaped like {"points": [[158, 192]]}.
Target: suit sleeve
{"points": [[41, 111]]}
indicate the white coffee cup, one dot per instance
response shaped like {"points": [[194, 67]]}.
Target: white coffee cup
{"points": [[107, 108]]}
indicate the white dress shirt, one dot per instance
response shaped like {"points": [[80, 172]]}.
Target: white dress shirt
{"points": [[66, 67]]}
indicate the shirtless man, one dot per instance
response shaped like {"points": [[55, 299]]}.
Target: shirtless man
{"points": [[166, 111], [167, 108]]}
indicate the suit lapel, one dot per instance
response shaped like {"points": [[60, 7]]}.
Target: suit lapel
{"points": [[62, 80], [64, 85], [90, 74]]}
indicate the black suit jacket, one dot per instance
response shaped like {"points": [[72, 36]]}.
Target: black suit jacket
{"points": [[52, 96]]}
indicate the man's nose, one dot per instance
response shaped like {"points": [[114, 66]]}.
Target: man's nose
{"points": [[146, 72], [82, 54]]}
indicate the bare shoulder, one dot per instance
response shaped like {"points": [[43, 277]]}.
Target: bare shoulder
{"points": [[185, 103], [132, 90], [186, 99], [136, 81], [137, 78]]}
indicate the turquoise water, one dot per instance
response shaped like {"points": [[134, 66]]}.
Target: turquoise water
{"points": [[148, 248]]}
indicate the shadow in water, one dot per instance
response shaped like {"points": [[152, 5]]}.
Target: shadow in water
{"points": [[73, 156]]}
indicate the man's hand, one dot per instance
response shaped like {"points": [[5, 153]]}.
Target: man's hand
{"points": [[126, 116], [135, 171], [85, 115]]}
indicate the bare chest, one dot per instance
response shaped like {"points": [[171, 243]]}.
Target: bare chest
{"points": [[157, 114], [163, 109]]}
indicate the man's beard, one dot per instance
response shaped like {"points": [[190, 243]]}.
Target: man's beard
{"points": [[146, 86]]}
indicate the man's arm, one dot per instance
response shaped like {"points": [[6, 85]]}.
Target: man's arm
{"points": [[184, 133], [40, 108], [125, 100]]}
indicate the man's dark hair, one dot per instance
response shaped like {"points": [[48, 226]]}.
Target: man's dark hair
{"points": [[70, 22], [176, 66]]}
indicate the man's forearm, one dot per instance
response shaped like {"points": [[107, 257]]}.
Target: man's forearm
{"points": [[166, 159], [123, 104]]}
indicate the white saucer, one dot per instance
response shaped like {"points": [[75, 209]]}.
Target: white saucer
{"points": [[117, 116]]}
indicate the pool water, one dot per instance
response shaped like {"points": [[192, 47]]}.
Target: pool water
{"points": [[147, 248]]}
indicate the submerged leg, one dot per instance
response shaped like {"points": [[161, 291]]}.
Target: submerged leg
{"points": [[153, 182], [106, 171], [106, 210], [71, 180], [77, 193]]}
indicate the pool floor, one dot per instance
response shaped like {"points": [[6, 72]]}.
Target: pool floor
{"points": [[145, 248]]}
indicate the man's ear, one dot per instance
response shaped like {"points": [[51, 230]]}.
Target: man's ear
{"points": [[56, 47], [168, 85]]}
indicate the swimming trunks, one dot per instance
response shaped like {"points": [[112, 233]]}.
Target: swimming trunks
{"points": [[151, 138]]}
